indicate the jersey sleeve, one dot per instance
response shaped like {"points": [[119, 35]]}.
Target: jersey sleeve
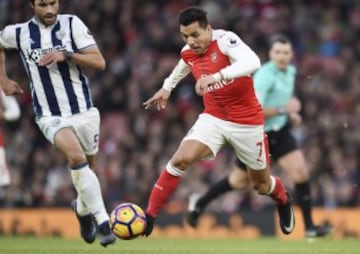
{"points": [[243, 59], [8, 37], [180, 71], [81, 34], [263, 82]]}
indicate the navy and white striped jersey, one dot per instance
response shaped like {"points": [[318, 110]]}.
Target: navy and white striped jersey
{"points": [[60, 89]]}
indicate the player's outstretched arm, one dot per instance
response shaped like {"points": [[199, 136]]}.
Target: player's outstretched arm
{"points": [[159, 99], [7, 85]]}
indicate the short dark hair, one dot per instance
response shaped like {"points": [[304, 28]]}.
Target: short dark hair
{"points": [[193, 14], [282, 38]]}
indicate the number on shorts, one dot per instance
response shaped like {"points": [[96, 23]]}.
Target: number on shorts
{"points": [[260, 145], [96, 139]]}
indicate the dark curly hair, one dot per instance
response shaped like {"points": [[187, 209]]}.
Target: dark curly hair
{"points": [[193, 14]]}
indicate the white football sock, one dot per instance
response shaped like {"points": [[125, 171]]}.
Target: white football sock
{"points": [[81, 207], [88, 189]]}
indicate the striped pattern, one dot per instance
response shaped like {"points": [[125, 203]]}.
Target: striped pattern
{"points": [[57, 90]]}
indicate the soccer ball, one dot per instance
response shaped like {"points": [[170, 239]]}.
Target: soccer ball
{"points": [[127, 221]]}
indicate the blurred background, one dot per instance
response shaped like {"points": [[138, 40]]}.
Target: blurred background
{"points": [[141, 43]]}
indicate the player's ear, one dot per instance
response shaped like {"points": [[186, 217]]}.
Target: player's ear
{"points": [[31, 4]]}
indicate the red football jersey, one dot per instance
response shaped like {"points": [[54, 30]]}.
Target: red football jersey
{"points": [[231, 100]]}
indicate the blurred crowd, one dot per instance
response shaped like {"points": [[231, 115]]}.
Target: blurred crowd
{"points": [[141, 43]]}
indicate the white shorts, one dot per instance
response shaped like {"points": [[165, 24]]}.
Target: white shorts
{"points": [[86, 126], [248, 141], [4, 171]]}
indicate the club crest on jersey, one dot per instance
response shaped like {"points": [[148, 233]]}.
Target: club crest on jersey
{"points": [[60, 35], [213, 57]]}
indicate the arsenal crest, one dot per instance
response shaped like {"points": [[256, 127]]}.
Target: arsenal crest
{"points": [[213, 57], [60, 34]]}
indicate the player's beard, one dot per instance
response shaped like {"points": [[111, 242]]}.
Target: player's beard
{"points": [[48, 20]]}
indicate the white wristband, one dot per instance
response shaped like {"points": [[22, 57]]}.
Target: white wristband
{"points": [[167, 87]]}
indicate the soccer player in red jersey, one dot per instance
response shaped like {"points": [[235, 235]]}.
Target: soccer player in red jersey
{"points": [[274, 85], [222, 65]]}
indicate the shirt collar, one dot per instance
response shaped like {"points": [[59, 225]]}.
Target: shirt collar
{"points": [[41, 25]]}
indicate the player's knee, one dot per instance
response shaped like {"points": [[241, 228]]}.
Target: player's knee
{"points": [[181, 161], [238, 179], [76, 158], [300, 175], [262, 188]]}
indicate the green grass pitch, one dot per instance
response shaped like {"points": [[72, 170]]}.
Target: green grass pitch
{"points": [[38, 245]]}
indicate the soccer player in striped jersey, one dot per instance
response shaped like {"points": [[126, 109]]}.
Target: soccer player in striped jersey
{"points": [[222, 65], [53, 49], [274, 85]]}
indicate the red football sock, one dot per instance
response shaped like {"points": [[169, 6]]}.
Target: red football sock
{"points": [[162, 190], [279, 192]]}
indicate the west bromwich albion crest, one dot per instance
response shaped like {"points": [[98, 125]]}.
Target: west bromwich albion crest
{"points": [[60, 34]]}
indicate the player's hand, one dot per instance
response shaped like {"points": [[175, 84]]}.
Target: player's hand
{"points": [[295, 119], [52, 58], [293, 105], [159, 99], [203, 83], [10, 87]]}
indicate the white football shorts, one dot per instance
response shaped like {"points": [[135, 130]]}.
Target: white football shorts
{"points": [[248, 141], [86, 126]]}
